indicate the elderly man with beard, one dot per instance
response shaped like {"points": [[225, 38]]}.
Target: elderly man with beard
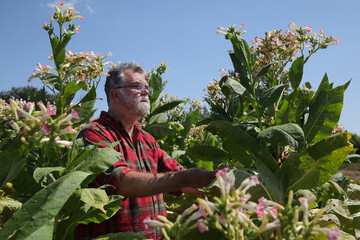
{"points": [[144, 171]]}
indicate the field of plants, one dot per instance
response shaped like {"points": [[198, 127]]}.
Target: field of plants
{"points": [[274, 139]]}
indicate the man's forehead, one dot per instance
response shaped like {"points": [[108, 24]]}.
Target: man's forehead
{"points": [[132, 76]]}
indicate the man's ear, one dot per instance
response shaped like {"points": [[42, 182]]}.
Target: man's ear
{"points": [[115, 96]]}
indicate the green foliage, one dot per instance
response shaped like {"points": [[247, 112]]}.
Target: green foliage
{"points": [[28, 93], [45, 171]]}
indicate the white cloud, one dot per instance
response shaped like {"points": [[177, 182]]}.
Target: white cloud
{"points": [[67, 4], [90, 9]]}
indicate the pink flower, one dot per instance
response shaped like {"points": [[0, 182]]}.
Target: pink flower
{"points": [[77, 30], [14, 125], [67, 130], [201, 226], [259, 209], [222, 172], [63, 143], [222, 221], [82, 17], [243, 25], [228, 182], [271, 225], [74, 114], [332, 233], [46, 129], [202, 211], [51, 110], [248, 183], [61, 3]]}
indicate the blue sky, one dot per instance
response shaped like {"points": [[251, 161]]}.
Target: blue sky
{"points": [[184, 34]]}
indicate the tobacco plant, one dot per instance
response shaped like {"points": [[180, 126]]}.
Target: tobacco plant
{"points": [[44, 170], [270, 126]]}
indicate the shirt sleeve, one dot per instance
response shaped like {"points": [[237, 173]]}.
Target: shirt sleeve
{"points": [[116, 172], [166, 163]]}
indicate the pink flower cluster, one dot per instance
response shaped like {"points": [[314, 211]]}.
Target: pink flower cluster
{"points": [[91, 73], [239, 218], [286, 46], [38, 126]]}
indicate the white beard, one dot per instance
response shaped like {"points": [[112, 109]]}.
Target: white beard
{"points": [[142, 108], [141, 105]]}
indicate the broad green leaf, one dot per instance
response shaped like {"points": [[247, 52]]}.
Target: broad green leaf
{"points": [[158, 118], [37, 214], [205, 164], [121, 236], [329, 144], [99, 160], [305, 172], [41, 172], [243, 74], [293, 107], [235, 109], [271, 96], [85, 108], [191, 119], [58, 49], [218, 113], [237, 87], [160, 130], [242, 52], [207, 153], [265, 69], [52, 80], [236, 138], [166, 107], [24, 183], [69, 92], [85, 206], [324, 112], [286, 135], [296, 72], [12, 160]]}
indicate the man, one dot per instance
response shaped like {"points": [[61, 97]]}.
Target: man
{"points": [[145, 171]]}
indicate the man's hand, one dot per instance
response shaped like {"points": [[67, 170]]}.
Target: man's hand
{"points": [[198, 177]]}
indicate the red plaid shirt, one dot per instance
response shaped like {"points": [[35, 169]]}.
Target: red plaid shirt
{"points": [[141, 154]]}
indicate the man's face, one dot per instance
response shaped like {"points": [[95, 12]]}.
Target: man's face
{"points": [[135, 101]]}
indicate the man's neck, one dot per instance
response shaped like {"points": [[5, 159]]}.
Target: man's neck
{"points": [[126, 121]]}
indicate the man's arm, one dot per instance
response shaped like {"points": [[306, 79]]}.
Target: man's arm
{"points": [[141, 184]]}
